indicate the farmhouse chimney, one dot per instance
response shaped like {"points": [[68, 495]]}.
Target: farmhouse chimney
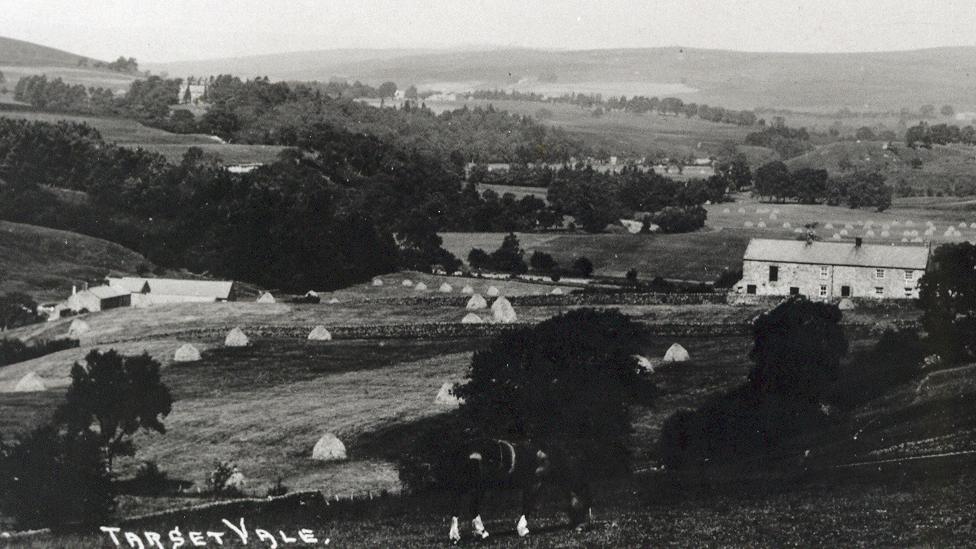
{"points": [[858, 241], [74, 289]]}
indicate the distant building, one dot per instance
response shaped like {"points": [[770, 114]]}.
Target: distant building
{"points": [[98, 298], [829, 270], [153, 291], [197, 92]]}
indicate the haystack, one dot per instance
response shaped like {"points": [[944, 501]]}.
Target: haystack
{"points": [[236, 338], [467, 290], [266, 297], [421, 287], [320, 333], [644, 363], [845, 304], [334, 300], [377, 282], [329, 448], [493, 291], [676, 353], [471, 318], [236, 481], [78, 327], [445, 288], [407, 282], [186, 353], [30, 383], [502, 311], [476, 302], [557, 291], [445, 397]]}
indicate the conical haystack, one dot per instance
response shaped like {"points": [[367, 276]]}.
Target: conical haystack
{"points": [[266, 297], [329, 448], [407, 282], [78, 327], [377, 282], [445, 397], [30, 383], [186, 353], [236, 338], [445, 288], [320, 333], [644, 363], [467, 290], [676, 353], [334, 300], [476, 302], [493, 291], [471, 318], [420, 287], [845, 304], [557, 291], [311, 293], [502, 311]]}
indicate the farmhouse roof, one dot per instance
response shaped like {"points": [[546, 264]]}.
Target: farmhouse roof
{"points": [[837, 253], [217, 289]]}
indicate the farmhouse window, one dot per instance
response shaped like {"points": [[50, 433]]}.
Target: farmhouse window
{"points": [[773, 273], [845, 291], [824, 271], [878, 290], [823, 290], [909, 292], [750, 288], [909, 276], [879, 274], [794, 290]]}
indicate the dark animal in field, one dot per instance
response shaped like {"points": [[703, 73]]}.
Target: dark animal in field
{"points": [[483, 464]]}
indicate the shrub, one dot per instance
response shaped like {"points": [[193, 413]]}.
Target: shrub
{"points": [[14, 350], [279, 489], [582, 267], [542, 262], [48, 478], [478, 258], [17, 309], [217, 484], [150, 479], [728, 278], [680, 220]]}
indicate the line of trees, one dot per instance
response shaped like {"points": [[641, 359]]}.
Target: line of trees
{"points": [[859, 189], [148, 100], [925, 135], [637, 104]]}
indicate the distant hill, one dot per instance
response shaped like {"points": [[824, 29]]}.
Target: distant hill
{"points": [[803, 81], [945, 168], [45, 263], [19, 52]]}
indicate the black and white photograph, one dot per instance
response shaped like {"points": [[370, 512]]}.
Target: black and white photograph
{"points": [[487, 273]]}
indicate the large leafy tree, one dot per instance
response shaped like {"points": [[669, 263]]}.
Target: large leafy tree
{"points": [[947, 295], [17, 309], [118, 395], [569, 380], [797, 349]]}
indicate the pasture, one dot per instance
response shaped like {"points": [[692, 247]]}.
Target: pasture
{"points": [[130, 133], [44, 263]]}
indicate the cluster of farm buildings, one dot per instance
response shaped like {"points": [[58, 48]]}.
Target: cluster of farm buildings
{"points": [[770, 267]]}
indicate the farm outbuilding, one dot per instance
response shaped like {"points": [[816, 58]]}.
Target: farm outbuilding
{"points": [[98, 298], [154, 291]]}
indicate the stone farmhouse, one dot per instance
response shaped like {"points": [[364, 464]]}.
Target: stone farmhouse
{"points": [[98, 298], [832, 270]]}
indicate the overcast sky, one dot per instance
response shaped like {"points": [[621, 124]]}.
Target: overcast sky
{"points": [[170, 30]]}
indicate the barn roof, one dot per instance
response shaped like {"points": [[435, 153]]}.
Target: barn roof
{"points": [[837, 253], [107, 292], [216, 289]]}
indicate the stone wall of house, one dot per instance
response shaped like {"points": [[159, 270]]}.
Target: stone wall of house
{"points": [[827, 281]]}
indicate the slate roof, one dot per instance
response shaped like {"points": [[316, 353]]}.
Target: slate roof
{"points": [[219, 289], [107, 292], [837, 253]]}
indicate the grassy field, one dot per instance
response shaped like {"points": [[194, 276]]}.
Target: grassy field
{"points": [[129, 133], [45, 263], [626, 133]]}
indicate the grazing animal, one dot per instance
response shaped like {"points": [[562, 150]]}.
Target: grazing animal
{"points": [[493, 463]]}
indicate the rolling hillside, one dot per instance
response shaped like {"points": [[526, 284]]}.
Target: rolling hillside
{"points": [[804, 81], [19, 52], [19, 59], [45, 263]]}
